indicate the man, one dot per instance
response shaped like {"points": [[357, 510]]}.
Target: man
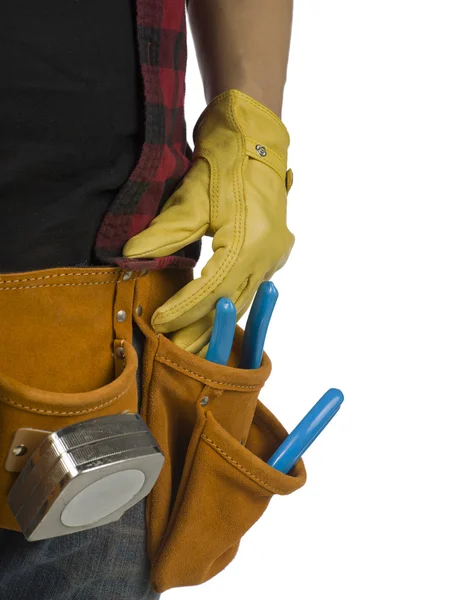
{"points": [[94, 170]]}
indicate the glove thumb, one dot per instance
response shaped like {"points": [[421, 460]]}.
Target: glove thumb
{"points": [[183, 219]]}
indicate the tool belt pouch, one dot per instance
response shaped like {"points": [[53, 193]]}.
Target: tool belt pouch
{"points": [[216, 437], [27, 413]]}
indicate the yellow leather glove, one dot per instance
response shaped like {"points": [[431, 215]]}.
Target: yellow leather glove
{"points": [[236, 192]]}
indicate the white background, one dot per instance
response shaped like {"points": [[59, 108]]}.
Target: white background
{"points": [[364, 303]]}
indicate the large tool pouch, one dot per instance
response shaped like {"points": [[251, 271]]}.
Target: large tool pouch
{"points": [[216, 437], [60, 361], [67, 356]]}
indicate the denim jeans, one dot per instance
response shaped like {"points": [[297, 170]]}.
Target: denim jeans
{"points": [[108, 562]]}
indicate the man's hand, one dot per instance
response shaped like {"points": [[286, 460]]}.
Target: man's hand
{"points": [[236, 188], [235, 191]]}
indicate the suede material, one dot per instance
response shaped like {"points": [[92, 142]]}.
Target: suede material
{"points": [[57, 367], [225, 489], [57, 361], [214, 484]]}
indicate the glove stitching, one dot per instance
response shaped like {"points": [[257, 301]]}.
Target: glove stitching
{"points": [[210, 158], [253, 142], [267, 111], [239, 197], [268, 163], [193, 236], [204, 291], [273, 116], [236, 244]]}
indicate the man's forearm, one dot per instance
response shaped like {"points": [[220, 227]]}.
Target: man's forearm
{"points": [[243, 44]]}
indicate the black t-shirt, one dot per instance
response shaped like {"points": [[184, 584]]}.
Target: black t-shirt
{"points": [[71, 125]]}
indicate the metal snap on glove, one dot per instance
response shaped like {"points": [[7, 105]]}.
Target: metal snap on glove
{"points": [[236, 192]]}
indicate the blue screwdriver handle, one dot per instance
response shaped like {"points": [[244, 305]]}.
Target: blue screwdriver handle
{"points": [[222, 336], [257, 325], [294, 446]]}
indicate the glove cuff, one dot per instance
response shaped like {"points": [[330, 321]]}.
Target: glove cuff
{"points": [[265, 135]]}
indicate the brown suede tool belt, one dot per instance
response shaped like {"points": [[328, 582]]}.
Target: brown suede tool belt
{"points": [[67, 356]]}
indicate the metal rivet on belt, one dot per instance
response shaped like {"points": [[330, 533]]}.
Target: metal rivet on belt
{"points": [[20, 450], [138, 310], [121, 316], [204, 401], [120, 352], [127, 275], [261, 150]]}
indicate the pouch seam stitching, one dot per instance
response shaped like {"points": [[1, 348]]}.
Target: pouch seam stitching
{"points": [[52, 276], [242, 468], [262, 424], [235, 385], [149, 509], [25, 287], [54, 412], [173, 517]]}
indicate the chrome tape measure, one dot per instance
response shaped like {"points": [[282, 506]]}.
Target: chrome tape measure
{"points": [[85, 475]]}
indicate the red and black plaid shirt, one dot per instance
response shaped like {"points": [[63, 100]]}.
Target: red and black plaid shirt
{"points": [[164, 160]]}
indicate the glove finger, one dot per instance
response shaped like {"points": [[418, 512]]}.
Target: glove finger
{"points": [[194, 301], [242, 303], [195, 337], [183, 220], [246, 298]]}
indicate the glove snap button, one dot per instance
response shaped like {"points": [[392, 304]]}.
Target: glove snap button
{"points": [[261, 150]]}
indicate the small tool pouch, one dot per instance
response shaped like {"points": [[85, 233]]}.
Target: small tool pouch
{"points": [[216, 437], [28, 414]]}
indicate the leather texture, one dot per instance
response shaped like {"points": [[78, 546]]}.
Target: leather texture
{"points": [[59, 364], [235, 192], [58, 361], [216, 437]]}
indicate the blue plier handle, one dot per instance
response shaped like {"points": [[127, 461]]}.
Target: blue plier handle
{"points": [[220, 344], [222, 332], [257, 325]]}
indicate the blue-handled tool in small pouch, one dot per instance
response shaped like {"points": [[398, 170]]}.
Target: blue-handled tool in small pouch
{"points": [[222, 336], [220, 344], [257, 325], [294, 446]]}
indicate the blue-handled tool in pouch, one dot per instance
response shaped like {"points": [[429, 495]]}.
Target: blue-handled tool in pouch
{"points": [[294, 446], [257, 325], [222, 336]]}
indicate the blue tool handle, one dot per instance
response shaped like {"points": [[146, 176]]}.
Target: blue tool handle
{"points": [[294, 446], [257, 325], [222, 336]]}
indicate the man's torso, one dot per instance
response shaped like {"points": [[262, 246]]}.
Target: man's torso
{"points": [[71, 125]]}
